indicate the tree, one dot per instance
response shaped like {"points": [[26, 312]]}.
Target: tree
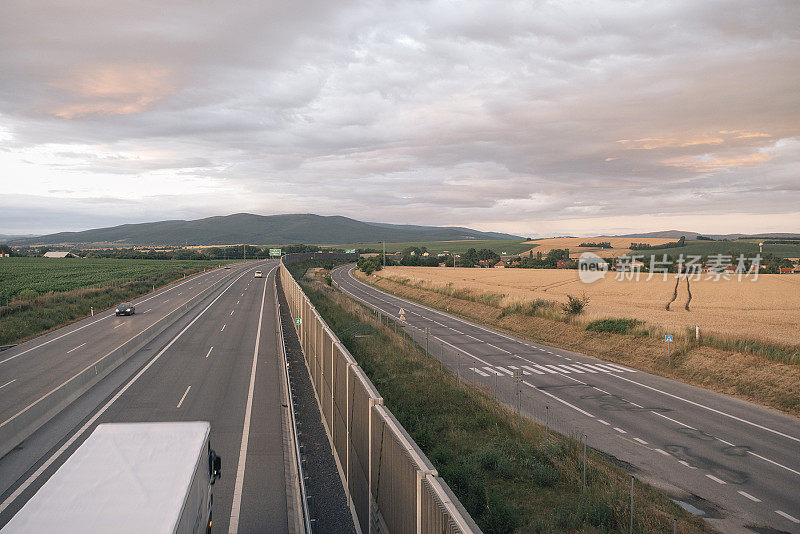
{"points": [[5, 249]]}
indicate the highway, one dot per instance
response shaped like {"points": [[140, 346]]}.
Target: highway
{"points": [[220, 364], [737, 462]]}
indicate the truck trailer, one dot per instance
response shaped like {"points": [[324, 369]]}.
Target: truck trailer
{"points": [[129, 477]]}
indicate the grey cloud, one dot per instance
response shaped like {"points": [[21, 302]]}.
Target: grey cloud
{"points": [[420, 112]]}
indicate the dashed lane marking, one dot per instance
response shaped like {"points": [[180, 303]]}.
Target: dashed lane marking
{"points": [[79, 346], [747, 495], [184, 396], [787, 516], [715, 479]]}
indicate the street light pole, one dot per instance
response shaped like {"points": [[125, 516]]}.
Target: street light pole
{"points": [[384, 253]]}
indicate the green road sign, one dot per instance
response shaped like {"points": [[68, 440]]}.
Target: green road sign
{"points": [[298, 321], [274, 252], [350, 251]]}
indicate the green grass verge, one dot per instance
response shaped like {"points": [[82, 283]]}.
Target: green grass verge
{"points": [[507, 482]]}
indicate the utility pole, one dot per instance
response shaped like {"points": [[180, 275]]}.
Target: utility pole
{"points": [[384, 253]]}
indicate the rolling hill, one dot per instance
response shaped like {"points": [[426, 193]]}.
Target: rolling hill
{"points": [[257, 230]]}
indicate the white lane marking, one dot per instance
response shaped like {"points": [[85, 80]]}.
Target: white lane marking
{"points": [[120, 324], [166, 301], [179, 293], [595, 367], [747, 495], [237, 302], [47, 463], [504, 370], [496, 347], [7, 383], [604, 422], [640, 440], [673, 420], [76, 348], [685, 463], [584, 412], [572, 368], [608, 367], [715, 479], [622, 369], [478, 371], [583, 367], [493, 371], [618, 429], [147, 310], [710, 409], [184, 396], [209, 352], [157, 294], [532, 370], [233, 526], [232, 311], [773, 462], [662, 451], [787, 516], [545, 369], [223, 327], [559, 369]]}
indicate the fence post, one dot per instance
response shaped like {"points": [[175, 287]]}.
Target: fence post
{"points": [[546, 428], [584, 465], [631, 527]]}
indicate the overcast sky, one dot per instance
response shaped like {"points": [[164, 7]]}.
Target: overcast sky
{"points": [[536, 118]]}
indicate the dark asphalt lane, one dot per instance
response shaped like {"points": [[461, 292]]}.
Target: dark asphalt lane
{"points": [[35, 368], [213, 372], [743, 459]]}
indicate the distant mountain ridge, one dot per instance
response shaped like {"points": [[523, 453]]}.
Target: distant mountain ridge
{"points": [[258, 230], [676, 234]]}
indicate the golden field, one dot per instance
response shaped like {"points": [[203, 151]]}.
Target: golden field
{"points": [[767, 309], [620, 244]]}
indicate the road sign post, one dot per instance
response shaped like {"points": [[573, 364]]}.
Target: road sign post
{"points": [[668, 341], [518, 383]]}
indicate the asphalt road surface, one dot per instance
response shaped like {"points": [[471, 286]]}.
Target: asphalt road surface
{"points": [[221, 364], [737, 462]]}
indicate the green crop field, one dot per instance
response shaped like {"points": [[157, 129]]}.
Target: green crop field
{"points": [[43, 275], [510, 246], [39, 294], [733, 248]]}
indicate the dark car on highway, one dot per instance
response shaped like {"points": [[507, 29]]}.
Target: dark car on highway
{"points": [[126, 308]]}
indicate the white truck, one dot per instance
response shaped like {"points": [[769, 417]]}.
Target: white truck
{"points": [[129, 477]]}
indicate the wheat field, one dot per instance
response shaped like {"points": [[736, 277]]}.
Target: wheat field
{"points": [[767, 309]]}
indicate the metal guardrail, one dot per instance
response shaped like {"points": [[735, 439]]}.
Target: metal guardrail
{"points": [[19, 427], [391, 484]]}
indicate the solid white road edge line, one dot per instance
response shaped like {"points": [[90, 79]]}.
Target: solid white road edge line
{"points": [[47, 463], [699, 405], [233, 526], [158, 293]]}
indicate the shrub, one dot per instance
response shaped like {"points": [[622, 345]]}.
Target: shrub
{"points": [[574, 305], [616, 326]]}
